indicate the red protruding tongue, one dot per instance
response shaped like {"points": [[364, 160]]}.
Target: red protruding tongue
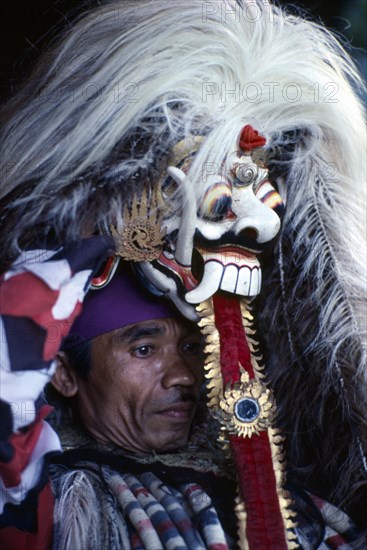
{"points": [[252, 455]]}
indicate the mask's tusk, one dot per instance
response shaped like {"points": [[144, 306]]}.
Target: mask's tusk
{"points": [[185, 238], [213, 273], [168, 287]]}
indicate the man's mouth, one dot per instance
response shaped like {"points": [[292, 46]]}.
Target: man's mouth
{"points": [[182, 410]]}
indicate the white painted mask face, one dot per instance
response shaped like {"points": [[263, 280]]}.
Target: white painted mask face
{"points": [[223, 234]]}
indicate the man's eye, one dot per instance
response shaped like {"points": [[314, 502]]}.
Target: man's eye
{"points": [[194, 348], [143, 351]]}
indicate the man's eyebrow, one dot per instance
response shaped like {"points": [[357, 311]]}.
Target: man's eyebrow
{"points": [[132, 334]]}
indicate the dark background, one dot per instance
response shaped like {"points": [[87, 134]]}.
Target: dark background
{"points": [[26, 26]]}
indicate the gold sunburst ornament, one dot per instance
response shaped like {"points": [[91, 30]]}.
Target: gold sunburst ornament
{"points": [[139, 236], [247, 407]]}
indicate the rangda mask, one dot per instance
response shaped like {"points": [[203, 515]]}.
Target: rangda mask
{"points": [[211, 242]]}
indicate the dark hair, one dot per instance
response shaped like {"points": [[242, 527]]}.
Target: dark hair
{"points": [[80, 357]]}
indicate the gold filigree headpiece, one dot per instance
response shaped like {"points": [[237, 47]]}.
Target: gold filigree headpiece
{"points": [[139, 236]]}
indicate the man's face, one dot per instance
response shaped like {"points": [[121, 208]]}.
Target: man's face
{"points": [[143, 387]]}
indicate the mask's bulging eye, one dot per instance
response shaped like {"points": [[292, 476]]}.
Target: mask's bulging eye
{"points": [[246, 174], [269, 196], [217, 202]]}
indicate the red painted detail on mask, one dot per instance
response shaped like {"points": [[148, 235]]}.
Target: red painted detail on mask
{"points": [[250, 139]]}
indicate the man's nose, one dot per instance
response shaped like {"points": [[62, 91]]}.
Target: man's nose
{"points": [[178, 373]]}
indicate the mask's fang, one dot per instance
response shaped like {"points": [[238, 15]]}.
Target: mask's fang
{"points": [[185, 238]]}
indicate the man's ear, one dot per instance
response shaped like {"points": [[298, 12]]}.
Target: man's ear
{"points": [[64, 379]]}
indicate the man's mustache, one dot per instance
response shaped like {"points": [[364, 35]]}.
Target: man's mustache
{"points": [[184, 397], [180, 397]]}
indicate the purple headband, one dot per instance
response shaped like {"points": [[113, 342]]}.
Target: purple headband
{"points": [[122, 302]]}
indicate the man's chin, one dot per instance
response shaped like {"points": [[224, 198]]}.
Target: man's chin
{"points": [[171, 441]]}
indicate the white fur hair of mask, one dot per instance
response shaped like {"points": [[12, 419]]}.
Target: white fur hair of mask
{"points": [[160, 55], [293, 83]]}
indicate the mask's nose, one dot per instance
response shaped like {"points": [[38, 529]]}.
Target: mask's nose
{"points": [[254, 218]]}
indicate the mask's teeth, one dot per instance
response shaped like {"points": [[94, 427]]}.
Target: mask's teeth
{"points": [[249, 281], [229, 279], [244, 281]]}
